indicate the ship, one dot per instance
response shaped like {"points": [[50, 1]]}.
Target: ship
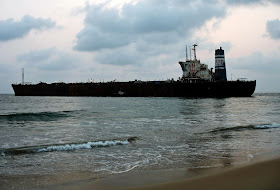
{"points": [[197, 81]]}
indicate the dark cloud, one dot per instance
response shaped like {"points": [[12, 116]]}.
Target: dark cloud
{"points": [[273, 28], [11, 29], [153, 21], [48, 59]]}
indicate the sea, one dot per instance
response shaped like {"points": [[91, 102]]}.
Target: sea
{"points": [[103, 136]]}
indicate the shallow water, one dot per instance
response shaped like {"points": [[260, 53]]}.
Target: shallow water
{"points": [[103, 135]]}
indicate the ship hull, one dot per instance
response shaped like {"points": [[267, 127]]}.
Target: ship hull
{"points": [[140, 89]]}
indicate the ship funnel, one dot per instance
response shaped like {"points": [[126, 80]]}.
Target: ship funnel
{"points": [[220, 65]]}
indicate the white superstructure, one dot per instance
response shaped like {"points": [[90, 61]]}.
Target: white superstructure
{"points": [[193, 69]]}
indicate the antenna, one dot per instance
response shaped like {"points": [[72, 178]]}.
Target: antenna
{"points": [[22, 80], [186, 53]]}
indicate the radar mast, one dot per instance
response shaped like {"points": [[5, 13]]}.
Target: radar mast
{"points": [[194, 52]]}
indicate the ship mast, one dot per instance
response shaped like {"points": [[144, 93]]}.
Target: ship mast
{"points": [[194, 52], [186, 53], [22, 76], [190, 53]]}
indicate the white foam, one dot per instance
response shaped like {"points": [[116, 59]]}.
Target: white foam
{"points": [[6, 145], [250, 157], [88, 145], [273, 125], [126, 170]]}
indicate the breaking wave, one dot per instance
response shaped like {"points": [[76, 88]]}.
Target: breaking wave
{"points": [[66, 147], [41, 116], [267, 126], [246, 127]]}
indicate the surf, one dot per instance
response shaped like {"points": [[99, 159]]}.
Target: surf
{"points": [[246, 127], [67, 146]]}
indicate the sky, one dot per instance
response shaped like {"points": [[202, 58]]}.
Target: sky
{"points": [[104, 40]]}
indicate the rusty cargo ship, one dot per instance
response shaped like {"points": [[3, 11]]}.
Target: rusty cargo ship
{"points": [[197, 81]]}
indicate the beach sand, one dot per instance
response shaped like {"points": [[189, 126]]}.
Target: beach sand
{"points": [[260, 175]]}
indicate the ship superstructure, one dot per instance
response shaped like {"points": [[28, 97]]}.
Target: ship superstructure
{"points": [[193, 69]]}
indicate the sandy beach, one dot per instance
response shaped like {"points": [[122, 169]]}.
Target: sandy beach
{"points": [[258, 175]]}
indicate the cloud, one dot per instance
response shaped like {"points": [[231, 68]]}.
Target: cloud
{"points": [[36, 56], [120, 56], [275, 1], [257, 62], [243, 2], [157, 22], [264, 68], [48, 59], [11, 29], [273, 28], [257, 66], [251, 2]]}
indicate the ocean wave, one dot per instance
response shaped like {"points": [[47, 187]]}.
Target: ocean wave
{"points": [[40, 116], [246, 127], [66, 147], [267, 126]]}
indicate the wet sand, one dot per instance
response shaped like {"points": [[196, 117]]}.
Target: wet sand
{"points": [[260, 175]]}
